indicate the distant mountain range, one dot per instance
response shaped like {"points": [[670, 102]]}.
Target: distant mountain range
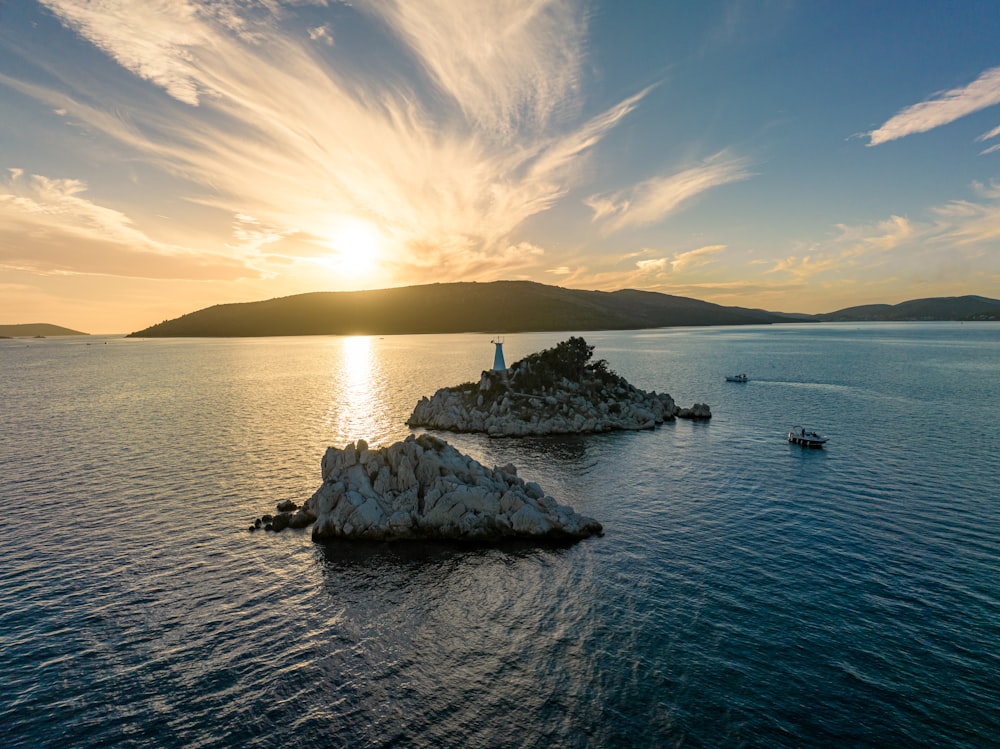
{"points": [[937, 308], [30, 330], [510, 307], [501, 306]]}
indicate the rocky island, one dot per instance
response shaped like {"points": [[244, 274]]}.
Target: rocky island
{"points": [[555, 391], [423, 488]]}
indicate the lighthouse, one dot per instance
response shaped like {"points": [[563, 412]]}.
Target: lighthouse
{"points": [[498, 363]]}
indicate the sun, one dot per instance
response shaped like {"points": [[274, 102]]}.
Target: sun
{"points": [[357, 246]]}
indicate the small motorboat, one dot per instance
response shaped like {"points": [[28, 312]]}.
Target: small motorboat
{"points": [[805, 437], [736, 378]]}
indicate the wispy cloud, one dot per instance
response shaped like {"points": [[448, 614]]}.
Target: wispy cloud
{"points": [[321, 34], [681, 261], [942, 109], [681, 272], [267, 123], [882, 260], [864, 248], [654, 199], [955, 241], [49, 226], [973, 224], [510, 66], [882, 236], [995, 132], [562, 270], [695, 258], [151, 39]]}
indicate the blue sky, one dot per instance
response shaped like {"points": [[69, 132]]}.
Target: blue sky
{"points": [[160, 156]]}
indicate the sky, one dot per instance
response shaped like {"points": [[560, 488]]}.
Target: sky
{"points": [[162, 156]]}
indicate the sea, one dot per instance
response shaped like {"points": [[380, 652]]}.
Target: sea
{"points": [[746, 592]]}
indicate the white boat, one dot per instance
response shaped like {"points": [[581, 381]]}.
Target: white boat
{"points": [[736, 378], [805, 437]]}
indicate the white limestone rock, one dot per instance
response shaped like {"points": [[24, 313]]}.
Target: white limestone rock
{"points": [[426, 489]]}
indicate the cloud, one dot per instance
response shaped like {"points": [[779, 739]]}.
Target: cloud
{"points": [[967, 225], [694, 258], [995, 132], [515, 260], [990, 135], [682, 272], [151, 39], [48, 226], [653, 200], [855, 249], [321, 34], [510, 66], [987, 192], [955, 241], [942, 109], [936, 253], [883, 235], [250, 234], [681, 261], [263, 123], [658, 265]]}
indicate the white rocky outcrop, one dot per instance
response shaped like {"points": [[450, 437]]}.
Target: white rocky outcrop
{"points": [[423, 488], [558, 391]]}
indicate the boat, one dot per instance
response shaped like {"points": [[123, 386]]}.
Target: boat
{"points": [[736, 378], [805, 437]]}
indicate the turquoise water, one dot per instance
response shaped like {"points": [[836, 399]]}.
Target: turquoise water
{"points": [[746, 592]]}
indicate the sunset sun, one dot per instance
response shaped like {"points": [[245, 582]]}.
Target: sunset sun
{"points": [[356, 245]]}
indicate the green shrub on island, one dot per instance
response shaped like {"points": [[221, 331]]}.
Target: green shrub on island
{"points": [[569, 360]]}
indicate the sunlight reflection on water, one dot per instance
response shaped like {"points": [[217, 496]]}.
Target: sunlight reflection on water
{"points": [[361, 409]]}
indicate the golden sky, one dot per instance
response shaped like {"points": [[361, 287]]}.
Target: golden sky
{"points": [[161, 156]]}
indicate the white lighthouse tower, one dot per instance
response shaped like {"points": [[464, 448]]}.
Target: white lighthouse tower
{"points": [[498, 363]]}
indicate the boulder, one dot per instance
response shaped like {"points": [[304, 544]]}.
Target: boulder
{"points": [[697, 411], [426, 489], [300, 519]]}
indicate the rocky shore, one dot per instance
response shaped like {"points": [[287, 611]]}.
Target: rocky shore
{"points": [[556, 391], [423, 488]]}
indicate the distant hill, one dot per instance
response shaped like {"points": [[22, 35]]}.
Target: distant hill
{"points": [[35, 329], [938, 308], [500, 306]]}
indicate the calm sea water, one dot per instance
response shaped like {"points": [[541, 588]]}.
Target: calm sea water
{"points": [[746, 592]]}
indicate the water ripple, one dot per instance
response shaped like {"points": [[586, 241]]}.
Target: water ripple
{"points": [[746, 593]]}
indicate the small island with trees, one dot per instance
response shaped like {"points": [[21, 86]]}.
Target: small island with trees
{"points": [[560, 390]]}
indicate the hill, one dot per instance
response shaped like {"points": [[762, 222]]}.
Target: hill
{"points": [[36, 329], [500, 306], [937, 308]]}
